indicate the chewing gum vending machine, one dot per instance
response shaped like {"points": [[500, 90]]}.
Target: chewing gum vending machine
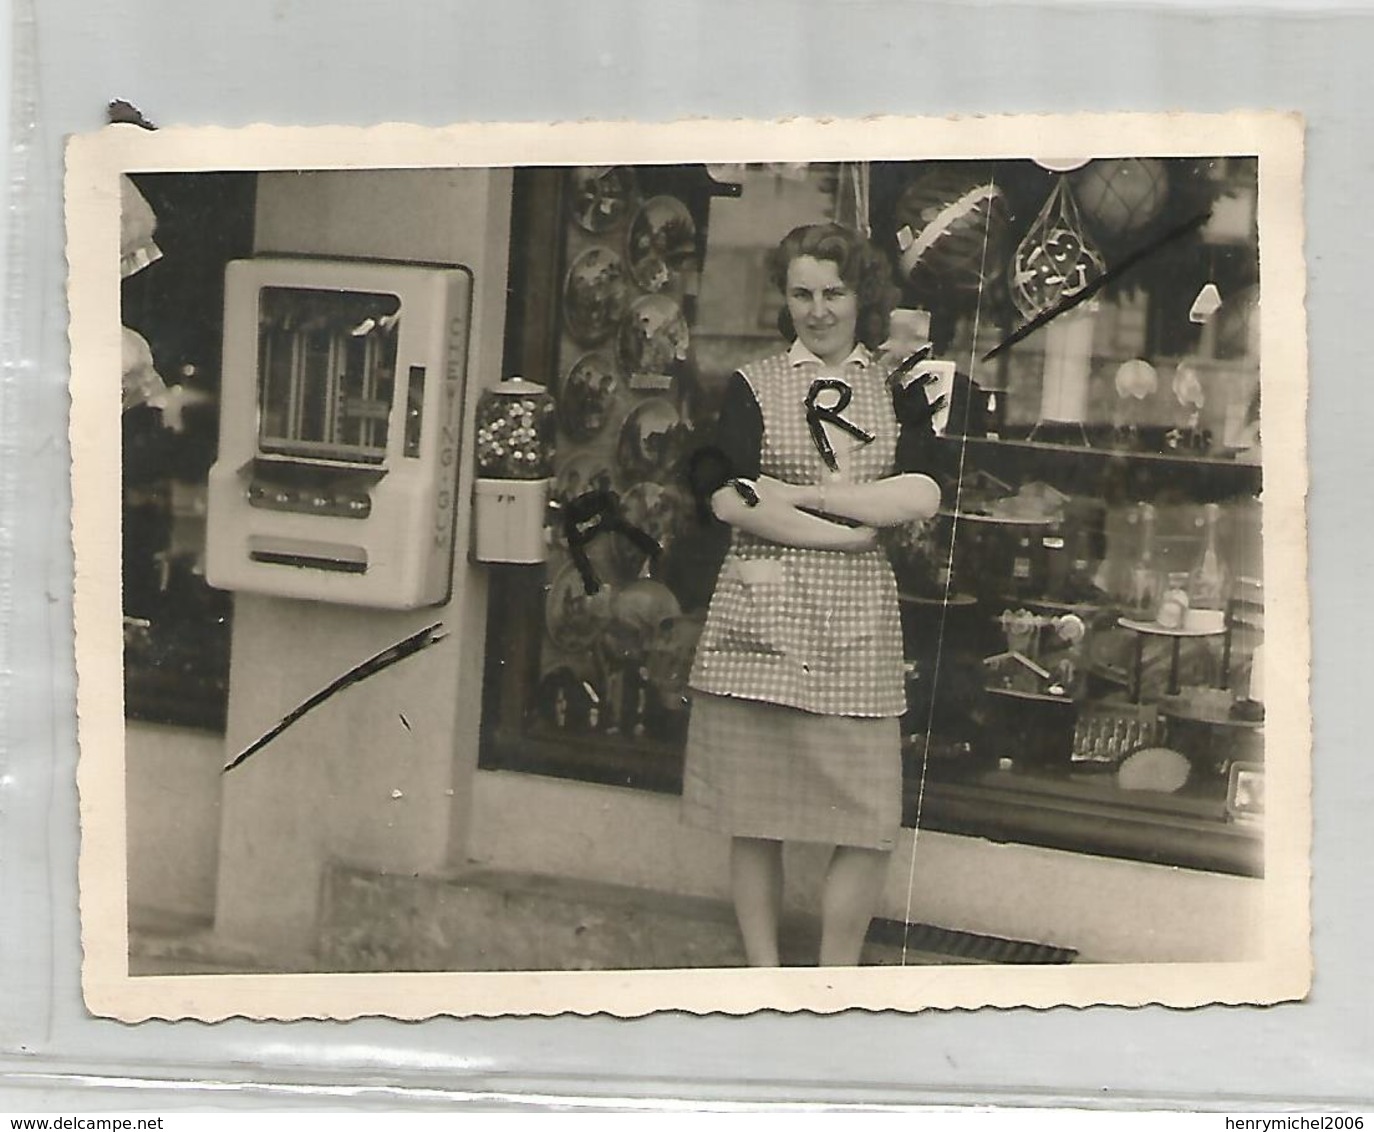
{"points": [[340, 423]]}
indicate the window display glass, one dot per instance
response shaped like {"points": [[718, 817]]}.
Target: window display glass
{"points": [[328, 363], [1081, 619], [176, 627]]}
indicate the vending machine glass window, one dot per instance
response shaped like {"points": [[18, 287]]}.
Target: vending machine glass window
{"points": [[328, 365]]}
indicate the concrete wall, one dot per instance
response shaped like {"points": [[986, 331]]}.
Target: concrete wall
{"points": [[1111, 911], [171, 795], [351, 780]]}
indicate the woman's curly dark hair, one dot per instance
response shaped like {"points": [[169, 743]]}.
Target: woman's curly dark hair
{"points": [[862, 266]]}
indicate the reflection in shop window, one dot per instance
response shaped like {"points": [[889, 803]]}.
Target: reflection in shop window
{"points": [[1080, 469], [177, 628]]}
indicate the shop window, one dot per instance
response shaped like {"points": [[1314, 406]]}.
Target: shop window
{"points": [[1100, 475], [176, 628], [609, 311]]}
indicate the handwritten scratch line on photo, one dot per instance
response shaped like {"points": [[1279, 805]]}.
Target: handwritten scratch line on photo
{"points": [[429, 635]]}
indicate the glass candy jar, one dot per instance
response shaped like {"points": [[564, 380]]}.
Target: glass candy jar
{"points": [[514, 443], [515, 431]]}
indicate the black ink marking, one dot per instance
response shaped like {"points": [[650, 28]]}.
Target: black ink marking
{"points": [[429, 635], [596, 513], [915, 411], [1068, 303], [119, 112], [817, 413], [746, 491], [926, 414], [708, 470], [911, 363]]}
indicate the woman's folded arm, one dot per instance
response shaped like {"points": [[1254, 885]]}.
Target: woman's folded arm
{"points": [[769, 509], [881, 503]]}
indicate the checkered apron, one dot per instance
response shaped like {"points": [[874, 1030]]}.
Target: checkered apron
{"points": [[817, 630]]}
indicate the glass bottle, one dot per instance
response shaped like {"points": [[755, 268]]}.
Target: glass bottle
{"points": [[1175, 602], [1054, 548], [1116, 745], [1207, 581], [996, 412], [1021, 565], [1081, 583], [1144, 576]]}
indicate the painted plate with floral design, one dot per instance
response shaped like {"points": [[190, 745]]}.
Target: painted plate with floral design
{"points": [[600, 196], [577, 475], [656, 510], [662, 243], [575, 618], [595, 294], [652, 439], [653, 341], [587, 396]]}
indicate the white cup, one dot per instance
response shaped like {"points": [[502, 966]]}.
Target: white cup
{"points": [[1204, 621]]}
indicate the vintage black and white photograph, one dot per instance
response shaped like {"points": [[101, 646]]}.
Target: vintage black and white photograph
{"points": [[825, 568]]}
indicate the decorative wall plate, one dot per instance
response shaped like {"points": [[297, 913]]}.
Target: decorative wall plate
{"points": [[651, 440], [575, 618], [653, 337], [583, 472], [577, 475], [638, 611], [656, 510], [662, 243], [586, 396], [594, 296], [600, 196]]}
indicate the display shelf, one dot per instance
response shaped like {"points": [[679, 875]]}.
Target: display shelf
{"points": [[1090, 608], [1175, 708], [1103, 472], [1000, 520], [1176, 637], [976, 443], [1098, 786], [609, 760], [1093, 817], [1030, 697], [951, 600], [1155, 629]]}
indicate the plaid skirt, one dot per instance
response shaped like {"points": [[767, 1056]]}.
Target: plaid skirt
{"points": [[756, 769]]}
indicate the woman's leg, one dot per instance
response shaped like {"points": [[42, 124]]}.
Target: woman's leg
{"points": [[756, 881], [853, 887]]}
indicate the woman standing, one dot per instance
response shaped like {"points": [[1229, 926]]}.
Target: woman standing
{"points": [[798, 678]]}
